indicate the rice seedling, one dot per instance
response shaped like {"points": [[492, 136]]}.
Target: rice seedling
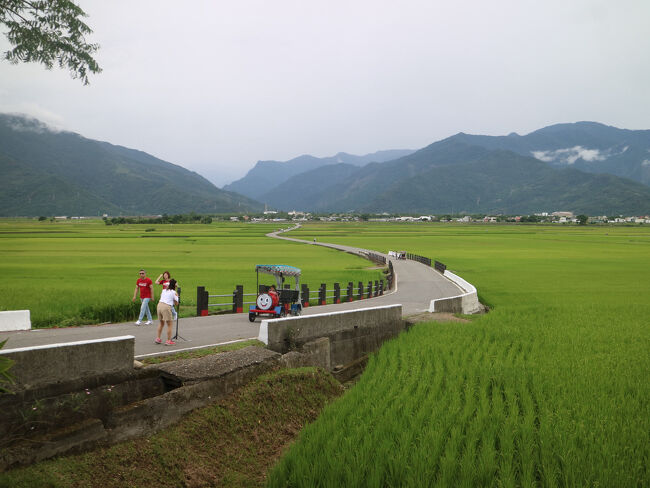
{"points": [[548, 389]]}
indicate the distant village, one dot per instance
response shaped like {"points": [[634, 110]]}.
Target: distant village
{"points": [[560, 217], [542, 217]]}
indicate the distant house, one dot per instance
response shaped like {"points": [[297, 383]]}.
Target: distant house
{"points": [[568, 215]]}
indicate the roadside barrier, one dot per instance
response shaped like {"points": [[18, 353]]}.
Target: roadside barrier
{"points": [[419, 259], [466, 303], [321, 296], [376, 258], [437, 265]]}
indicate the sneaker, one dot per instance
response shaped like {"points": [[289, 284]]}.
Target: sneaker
{"points": [[139, 322], [169, 343], [148, 322], [158, 341]]}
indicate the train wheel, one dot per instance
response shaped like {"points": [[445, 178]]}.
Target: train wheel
{"points": [[251, 317]]}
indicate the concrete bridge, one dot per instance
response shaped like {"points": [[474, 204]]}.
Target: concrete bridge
{"points": [[416, 286]]}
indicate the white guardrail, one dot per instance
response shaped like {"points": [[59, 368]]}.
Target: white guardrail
{"points": [[469, 303], [15, 320]]}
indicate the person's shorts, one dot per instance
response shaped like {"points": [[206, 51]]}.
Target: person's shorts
{"points": [[164, 312]]}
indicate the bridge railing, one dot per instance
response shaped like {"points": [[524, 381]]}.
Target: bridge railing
{"points": [[235, 301]]}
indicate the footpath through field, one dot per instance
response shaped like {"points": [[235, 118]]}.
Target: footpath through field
{"points": [[416, 285]]}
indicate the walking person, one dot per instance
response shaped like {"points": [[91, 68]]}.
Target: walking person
{"points": [[163, 279], [168, 298], [145, 285]]}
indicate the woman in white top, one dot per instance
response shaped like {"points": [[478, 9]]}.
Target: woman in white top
{"points": [[168, 298]]}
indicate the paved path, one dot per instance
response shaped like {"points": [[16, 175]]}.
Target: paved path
{"points": [[416, 286]]}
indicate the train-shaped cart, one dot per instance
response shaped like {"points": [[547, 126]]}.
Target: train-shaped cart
{"points": [[275, 301]]}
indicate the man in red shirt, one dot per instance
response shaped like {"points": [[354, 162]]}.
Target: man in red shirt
{"points": [[145, 285]]}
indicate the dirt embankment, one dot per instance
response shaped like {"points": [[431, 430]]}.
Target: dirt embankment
{"points": [[231, 443]]}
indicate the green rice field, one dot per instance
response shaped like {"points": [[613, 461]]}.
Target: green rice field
{"points": [[550, 388], [83, 272]]}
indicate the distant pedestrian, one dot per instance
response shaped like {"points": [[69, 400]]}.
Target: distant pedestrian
{"points": [[168, 298], [145, 285], [163, 280]]}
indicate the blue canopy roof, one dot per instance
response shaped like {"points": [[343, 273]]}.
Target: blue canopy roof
{"points": [[277, 269]]}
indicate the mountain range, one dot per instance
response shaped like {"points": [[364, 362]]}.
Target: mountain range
{"points": [[49, 172], [267, 175], [584, 167], [586, 146]]}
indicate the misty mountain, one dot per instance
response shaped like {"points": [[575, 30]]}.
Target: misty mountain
{"points": [[270, 174], [587, 146], [47, 172], [453, 176]]}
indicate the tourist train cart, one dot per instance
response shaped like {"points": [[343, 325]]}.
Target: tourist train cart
{"points": [[279, 304]]}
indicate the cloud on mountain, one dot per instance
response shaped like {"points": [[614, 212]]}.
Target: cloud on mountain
{"points": [[572, 154]]}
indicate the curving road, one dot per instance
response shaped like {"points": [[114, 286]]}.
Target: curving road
{"points": [[416, 286]]}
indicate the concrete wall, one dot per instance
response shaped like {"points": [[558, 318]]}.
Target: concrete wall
{"points": [[55, 363], [466, 303], [351, 334], [147, 408], [15, 320]]}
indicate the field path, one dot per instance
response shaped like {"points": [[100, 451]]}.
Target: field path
{"points": [[416, 286]]}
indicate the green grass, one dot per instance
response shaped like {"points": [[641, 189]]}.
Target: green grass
{"points": [[548, 389], [81, 272], [231, 443]]}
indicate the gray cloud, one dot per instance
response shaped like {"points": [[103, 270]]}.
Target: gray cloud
{"points": [[215, 86]]}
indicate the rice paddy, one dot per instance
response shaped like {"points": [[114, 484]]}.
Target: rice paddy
{"points": [[83, 272], [548, 389]]}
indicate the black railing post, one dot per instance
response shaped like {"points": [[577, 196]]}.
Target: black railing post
{"points": [[322, 294], [304, 295], [337, 293], [381, 287], [370, 289], [360, 291], [376, 288], [350, 295], [238, 299], [199, 300]]}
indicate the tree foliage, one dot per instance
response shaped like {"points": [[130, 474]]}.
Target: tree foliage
{"points": [[49, 32]]}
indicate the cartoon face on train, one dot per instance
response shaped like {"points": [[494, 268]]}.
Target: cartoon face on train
{"points": [[264, 301]]}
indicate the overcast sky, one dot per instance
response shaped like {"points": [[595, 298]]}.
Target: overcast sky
{"points": [[215, 86]]}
